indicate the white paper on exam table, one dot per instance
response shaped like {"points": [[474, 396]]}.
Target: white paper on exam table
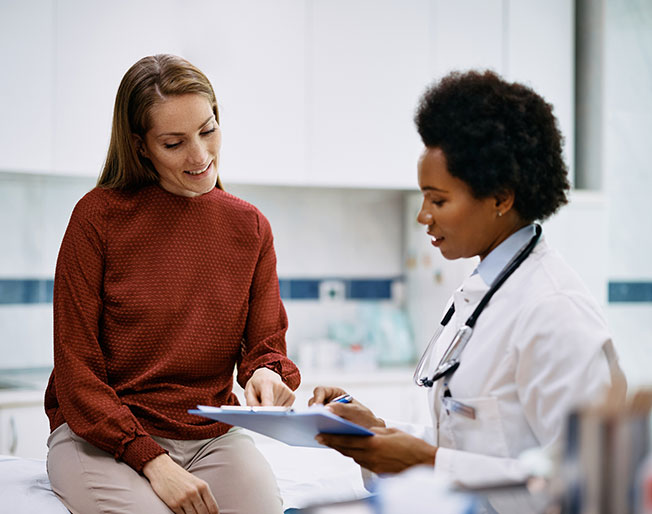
{"points": [[293, 427]]}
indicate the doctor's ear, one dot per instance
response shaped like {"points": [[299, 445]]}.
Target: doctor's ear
{"points": [[141, 148], [504, 201]]}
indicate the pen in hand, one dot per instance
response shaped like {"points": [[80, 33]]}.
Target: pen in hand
{"points": [[343, 398]]}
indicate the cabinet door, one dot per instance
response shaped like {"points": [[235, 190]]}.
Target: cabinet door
{"points": [[27, 55], [368, 64], [24, 431], [254, 54], [541, 54], [96, 42], [467, 34]]}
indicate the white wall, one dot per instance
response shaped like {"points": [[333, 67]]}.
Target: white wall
{"points": [[628, 174]]}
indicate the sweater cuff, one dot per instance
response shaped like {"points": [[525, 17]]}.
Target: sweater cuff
{"points": [[290, 377], [140, 451]]}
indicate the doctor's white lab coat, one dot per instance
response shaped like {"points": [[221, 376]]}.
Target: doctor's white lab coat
{"points": [[540, 348]]}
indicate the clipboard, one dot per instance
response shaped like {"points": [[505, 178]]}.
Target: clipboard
{"points": [[293, 427]]}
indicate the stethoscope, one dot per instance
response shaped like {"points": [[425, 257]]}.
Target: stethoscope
{"points": [[450, 361]]}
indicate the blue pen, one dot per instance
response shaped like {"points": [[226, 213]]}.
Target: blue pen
{"points": [[343, 398]]}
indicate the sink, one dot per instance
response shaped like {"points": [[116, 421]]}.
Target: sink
{"points": [[31, 379], [6, 385]]}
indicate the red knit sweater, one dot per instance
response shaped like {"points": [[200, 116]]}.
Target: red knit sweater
{"points": [[157, 297]]}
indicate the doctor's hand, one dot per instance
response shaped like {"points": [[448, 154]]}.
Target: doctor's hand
{"points": [[180, 490], [266, 388], [325, 394], [355, 412], [388, 451]]}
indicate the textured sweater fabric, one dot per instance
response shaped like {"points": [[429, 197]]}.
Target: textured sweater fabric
{"points": [[157, 299]]}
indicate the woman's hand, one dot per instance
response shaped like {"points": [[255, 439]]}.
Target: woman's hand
{"points": [[180, 490], [266, 388], [388, 451], [355, 412]]}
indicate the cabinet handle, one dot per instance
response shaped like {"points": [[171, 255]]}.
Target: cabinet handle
{"points": [[13, 437]]}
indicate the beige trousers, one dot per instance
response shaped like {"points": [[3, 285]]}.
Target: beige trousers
{"points": [[89, 480]]}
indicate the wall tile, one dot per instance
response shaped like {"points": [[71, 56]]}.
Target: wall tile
{"points": [[632, 334], [332, 232], [25, 336]]}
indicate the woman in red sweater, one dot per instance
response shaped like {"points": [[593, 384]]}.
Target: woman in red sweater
{"points": [[164, 285]]}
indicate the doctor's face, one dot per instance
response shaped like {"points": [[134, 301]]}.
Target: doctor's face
{"points": [[459, 224], [183, 144]]}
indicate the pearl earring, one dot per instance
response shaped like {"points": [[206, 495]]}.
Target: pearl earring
{"points": [[500, 214]]}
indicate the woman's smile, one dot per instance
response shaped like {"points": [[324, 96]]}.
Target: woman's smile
{"points": [[200, 171]]}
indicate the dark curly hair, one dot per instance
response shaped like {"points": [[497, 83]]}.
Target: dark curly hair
{"points": [[497, 136]]}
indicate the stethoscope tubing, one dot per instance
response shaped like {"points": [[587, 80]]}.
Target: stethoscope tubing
{"points": [[451, 359]]}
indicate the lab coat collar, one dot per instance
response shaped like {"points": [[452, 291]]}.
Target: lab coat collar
{"points": [[474, 287], [491, 266]]}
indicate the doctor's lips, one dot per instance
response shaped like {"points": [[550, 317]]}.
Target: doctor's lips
{"points": [[436, 241]]}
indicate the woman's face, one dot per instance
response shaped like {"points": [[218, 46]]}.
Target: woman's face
{"points": [[183, 144], [460, 224]]}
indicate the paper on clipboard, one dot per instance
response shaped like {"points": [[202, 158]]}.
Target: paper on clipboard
{"points": [[296, 428]]}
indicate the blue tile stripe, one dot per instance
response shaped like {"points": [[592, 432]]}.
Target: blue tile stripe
{"points": [[369, 289], [26, 291], [354, 289], [29, 291], [620, 292], [21, 291]]}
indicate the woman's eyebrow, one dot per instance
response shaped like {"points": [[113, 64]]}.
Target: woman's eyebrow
{"points": [[433, 188], [183, 133]]}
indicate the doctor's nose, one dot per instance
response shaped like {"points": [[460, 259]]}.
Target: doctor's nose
{"points": [[424, 217]]}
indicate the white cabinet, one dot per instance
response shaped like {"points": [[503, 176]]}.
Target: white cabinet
{"points": [[467, 34], [96, 42], [368, 66], [24, 427], [316, 93], [26, 85], [541, 53], [253, 53]]}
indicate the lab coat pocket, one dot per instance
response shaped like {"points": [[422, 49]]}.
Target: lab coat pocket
{"points": [[475, 425]]}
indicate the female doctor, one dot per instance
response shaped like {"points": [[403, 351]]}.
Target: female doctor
{"points": [[503, 380]]}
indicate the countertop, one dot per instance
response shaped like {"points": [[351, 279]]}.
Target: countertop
{"points": [[20, 386], [23, 386]]}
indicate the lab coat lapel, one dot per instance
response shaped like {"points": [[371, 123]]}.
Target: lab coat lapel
{"points": [[467, 297]]}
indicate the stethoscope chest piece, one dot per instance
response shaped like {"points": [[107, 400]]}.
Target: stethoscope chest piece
{"points": [[442, 370]]}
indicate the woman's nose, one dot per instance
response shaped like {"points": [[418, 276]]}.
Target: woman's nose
{"points": [[197, 153]]}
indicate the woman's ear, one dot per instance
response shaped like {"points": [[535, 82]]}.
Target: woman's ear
{"points": [[140, 145], [504, 201]]}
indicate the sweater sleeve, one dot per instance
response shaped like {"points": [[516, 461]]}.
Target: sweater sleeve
{"points": [[264, 337], [89, 405]]}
